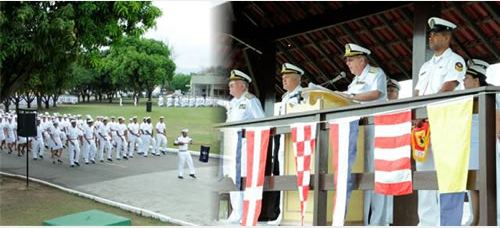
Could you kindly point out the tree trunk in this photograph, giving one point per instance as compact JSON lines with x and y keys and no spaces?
{"x":110,"y":97}
{"x":38,"y":102}
{"x":100,"y":97}
{"x":6,"y":104}
{"x":150,"y":93}
{"x":46,"y":100}
{"x":54,"y":99}
{"x":16,"y":99}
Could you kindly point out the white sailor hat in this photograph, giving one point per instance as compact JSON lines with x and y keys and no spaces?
{"x":185,"y":130}
{"x":105,"y":118}
{"x":354,"y":50}
{"x":72,"y":121}
{"x":437,"y":24}
{"x":112,"y":117}
{"x":238,"y":75}
{"x":161,"y":117}
{"x":477,"y":67}
{"x":393,"y":83}
{"x":90,"y":120}
{"x":287,"y":68}
{"x":121,"y":118}
{"x":134,"y":117}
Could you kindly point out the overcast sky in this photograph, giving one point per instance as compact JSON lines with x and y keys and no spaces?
{"x":185,"y":26}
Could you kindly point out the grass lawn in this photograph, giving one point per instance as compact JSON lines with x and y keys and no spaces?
{"x":199,"y":121}
{"x":21,"y":207}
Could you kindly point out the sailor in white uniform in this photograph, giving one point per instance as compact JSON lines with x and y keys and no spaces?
{"x":444,"y":72}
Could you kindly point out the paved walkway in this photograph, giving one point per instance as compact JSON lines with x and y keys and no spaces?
{"x":150,"y":183}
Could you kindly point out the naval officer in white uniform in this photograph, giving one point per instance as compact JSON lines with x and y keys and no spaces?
{"x":243,"y":106}
{"x":369,"y":85}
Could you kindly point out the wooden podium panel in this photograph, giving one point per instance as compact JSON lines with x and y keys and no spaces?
{"x":317,"y":100}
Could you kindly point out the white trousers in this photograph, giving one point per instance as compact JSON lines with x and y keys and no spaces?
{"x":133,"y":141}
{"x":428,"y":200}
{"x":89,"y":150}
{"x":104,"y":144}
{"x":74,"y":151}
{"x":38,"y":147}
{"x":146,"y":142}
{"x":183,"y":158}
{"x":121,"y":146}
{"x":161,"y":143}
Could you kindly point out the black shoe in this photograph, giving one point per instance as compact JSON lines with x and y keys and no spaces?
{"x":72,"y":166}
{"x":125,"y":157}
{"x":86,"y":163}
{"x":109,"y":159}
{"x":59,"y":160}
{"x":180,"y":177}
{"x":77,"y":164}
{"x":102,"y":161}
{"x":163,"y":152}
{"x":192,"y":175}
{"x":145,"y":156}
{"x":93,"y":162}
{"x":34,"y":159}
{"x":130,"y":156}
{"x":41,"y":157}
{"x":53,"y":162}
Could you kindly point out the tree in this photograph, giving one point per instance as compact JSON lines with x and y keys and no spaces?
{"x":40,"y":37}
{"x":141,"y":63}
{"x":180,"y":81}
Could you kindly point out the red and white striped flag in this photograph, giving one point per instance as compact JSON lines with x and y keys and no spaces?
{"x":392,"y":153}
{"x":257,"y":141}
{"x":304,"y":144}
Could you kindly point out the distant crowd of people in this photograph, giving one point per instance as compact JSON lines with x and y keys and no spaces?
{"x":187,"y":101}
{"x":73,"y":135}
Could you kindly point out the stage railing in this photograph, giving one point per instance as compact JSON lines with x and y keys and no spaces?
{"x":483,"y":179}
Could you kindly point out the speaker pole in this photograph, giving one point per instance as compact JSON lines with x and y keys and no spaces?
{"x":27,"y":166}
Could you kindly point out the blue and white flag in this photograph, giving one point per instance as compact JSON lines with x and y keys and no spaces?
{"x":343,"y":140}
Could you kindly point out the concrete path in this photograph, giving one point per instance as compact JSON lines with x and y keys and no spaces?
{"x":150,"y":183}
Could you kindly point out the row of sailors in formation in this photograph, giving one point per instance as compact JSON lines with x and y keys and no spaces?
{"x":187,"y":101}
{"x":74,"y":136}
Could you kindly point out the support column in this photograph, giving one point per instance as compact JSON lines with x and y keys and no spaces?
{"x":487,"y":161}
{"x":262,"y":68}
{"x":420,"y":51}
{"x":320,"y":170}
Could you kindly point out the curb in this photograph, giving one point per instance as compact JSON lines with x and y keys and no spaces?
{"x":136,"y":210}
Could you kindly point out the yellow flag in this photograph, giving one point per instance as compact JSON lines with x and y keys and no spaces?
{"x":450,"y":123}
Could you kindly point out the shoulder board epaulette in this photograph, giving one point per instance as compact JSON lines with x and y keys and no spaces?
{"x":249,"y":95}
{"x":373,"y":70}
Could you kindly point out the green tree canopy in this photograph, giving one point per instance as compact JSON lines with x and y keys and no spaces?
{"x":41,"y":37}
{"x":180,"y":81}
{"x":141,"y":63}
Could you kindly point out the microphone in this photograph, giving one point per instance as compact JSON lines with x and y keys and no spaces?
{"x":339,"y":76}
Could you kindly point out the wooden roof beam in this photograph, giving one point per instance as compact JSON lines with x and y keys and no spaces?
{"x":381,"y":43}
{"x":329,"y":19}
{"x":475,"y":29}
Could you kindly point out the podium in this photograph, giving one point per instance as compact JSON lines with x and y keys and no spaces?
{"x":318,"y":99}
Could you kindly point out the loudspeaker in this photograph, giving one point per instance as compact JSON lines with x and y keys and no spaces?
{"x":204,"y":151}
{"x":26,"y":125}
